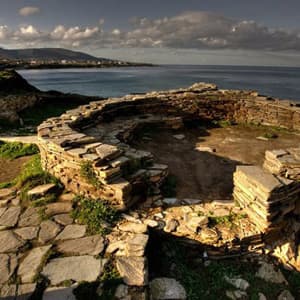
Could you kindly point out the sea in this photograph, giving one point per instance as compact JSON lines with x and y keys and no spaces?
{"x":279,"y":82}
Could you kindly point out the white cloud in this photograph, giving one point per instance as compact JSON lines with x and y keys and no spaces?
{"x":29,"y":10}
{"x":189,"y":30}
{"x":4,"y":32}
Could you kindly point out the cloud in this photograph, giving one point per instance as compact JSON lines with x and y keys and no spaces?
{"x":29,"y":10}
{"x":190,"y":30}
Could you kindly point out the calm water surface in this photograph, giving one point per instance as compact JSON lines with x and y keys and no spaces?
{"x":278,"y":82}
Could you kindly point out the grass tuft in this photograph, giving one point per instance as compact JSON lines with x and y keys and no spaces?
{"x":96,"y":214}
{"x":14,"y":150}
{"x":87,"y":172}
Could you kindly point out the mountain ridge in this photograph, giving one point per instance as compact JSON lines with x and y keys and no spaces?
{"x":47,"y":54}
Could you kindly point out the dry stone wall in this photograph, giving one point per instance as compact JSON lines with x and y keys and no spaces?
{"x":95,"y":137}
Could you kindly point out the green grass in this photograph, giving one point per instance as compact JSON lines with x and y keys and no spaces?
{"x":270,"y":135}
{"x":223,"y":123}
{"x":229,"y":220}
{"x":34,"y":116}
{"x":208,"y":282}
{"x":97,"y":215}
{"x":88,"y":173}
{"x":14,"y":150}
{"x":32,"y":175}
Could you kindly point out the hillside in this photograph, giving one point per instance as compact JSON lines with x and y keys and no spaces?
{"x":46,"y":54}
{"x":12,"y":83}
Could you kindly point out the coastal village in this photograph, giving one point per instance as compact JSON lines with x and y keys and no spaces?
{"x":190,"y":193}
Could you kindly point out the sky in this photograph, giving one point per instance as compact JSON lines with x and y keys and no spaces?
{"x":235,"y":32}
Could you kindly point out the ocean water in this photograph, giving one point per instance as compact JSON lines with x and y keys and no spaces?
{"x":281,"y":82}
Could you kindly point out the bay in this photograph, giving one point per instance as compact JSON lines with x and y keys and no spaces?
{"x":280,"y":82}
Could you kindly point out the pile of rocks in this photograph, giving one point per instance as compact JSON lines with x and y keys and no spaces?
{"x":284,"y":163}
{"x":265,"y":197}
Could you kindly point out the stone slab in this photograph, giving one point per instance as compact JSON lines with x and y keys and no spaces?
{"x":92,"y":245}
{"x":9,"y":242}
{"x":29,"y":267}
{"x":72,"y":232}
{"x":77,"y":268}
{"x":134,"y":270}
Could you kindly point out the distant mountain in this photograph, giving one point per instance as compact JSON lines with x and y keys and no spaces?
{"x":46,"y":54}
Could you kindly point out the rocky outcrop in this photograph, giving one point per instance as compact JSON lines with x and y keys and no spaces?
{"x":16,"y":94}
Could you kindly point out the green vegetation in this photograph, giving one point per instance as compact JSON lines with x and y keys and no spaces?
{"x":14,"y":150}
{"x":270,"y":135}
{"x":168,"y":188}
{"x":4,"y":75}
{"x":230,"y":220}
{"x":34,"y":116}
{"x":223,"y":123}
{"x":97,"y":215}
{"x":31,"y":176}
{"x":208,"y":282}
{"x":87,"y":172}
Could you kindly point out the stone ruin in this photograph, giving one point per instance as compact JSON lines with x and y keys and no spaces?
{"x":96,"y":137}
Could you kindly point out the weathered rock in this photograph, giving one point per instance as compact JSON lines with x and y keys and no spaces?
{"x":67,"y":197}
{"x":121,"y":291}
{"x":27,"y":233}
{"x":179,"y":136}
{"x":63,"y":219}
{"x":134,"y":270}
{"x":25,"y":291}
{"x":30,"y":217}
{"x":205,"y":149}
{"x":31,"y":264}
{"x":115,"y":246}
{"x":136,"y":246}
{"x":261,"y":296}
{"x":10,"y":217}
{"x":133,"y":227}
{"x":9,"y":242}
{"x":77,"y":268}
{"x":41,"y":190}
{"x":58,"y":208}
{"x":151,"y":223}
{"x":171,"y":225}
{"x":59,"y":293}
{"x":8,"y":292}
{"x":235,"y":295}
{"x":72,"y":232}
{"x":6,"y":193}
{"x":49,"y":230}
{"x":8,"y":264}
{"x":170,"y":201}
{"x":238,"y":283}
{"x":167,"y":288}
{"x":195,"y":222}
{"x":92,"y":245}
{"x":285,"y":295}
{"x":268,"y":273}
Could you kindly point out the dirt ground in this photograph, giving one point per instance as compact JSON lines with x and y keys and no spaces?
{"x":208,"y":176}
{"x":9,"y":169}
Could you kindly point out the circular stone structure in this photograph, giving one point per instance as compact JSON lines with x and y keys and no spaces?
{"x":89,"y":150}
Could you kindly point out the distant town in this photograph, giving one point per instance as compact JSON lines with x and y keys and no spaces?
{"x":64,"y":63}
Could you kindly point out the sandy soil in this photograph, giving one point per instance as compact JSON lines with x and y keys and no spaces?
{"x":208,"y":176}
{"x":9,"y":169}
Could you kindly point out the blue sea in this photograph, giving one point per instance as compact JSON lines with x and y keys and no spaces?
{"x":281,"y":82}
